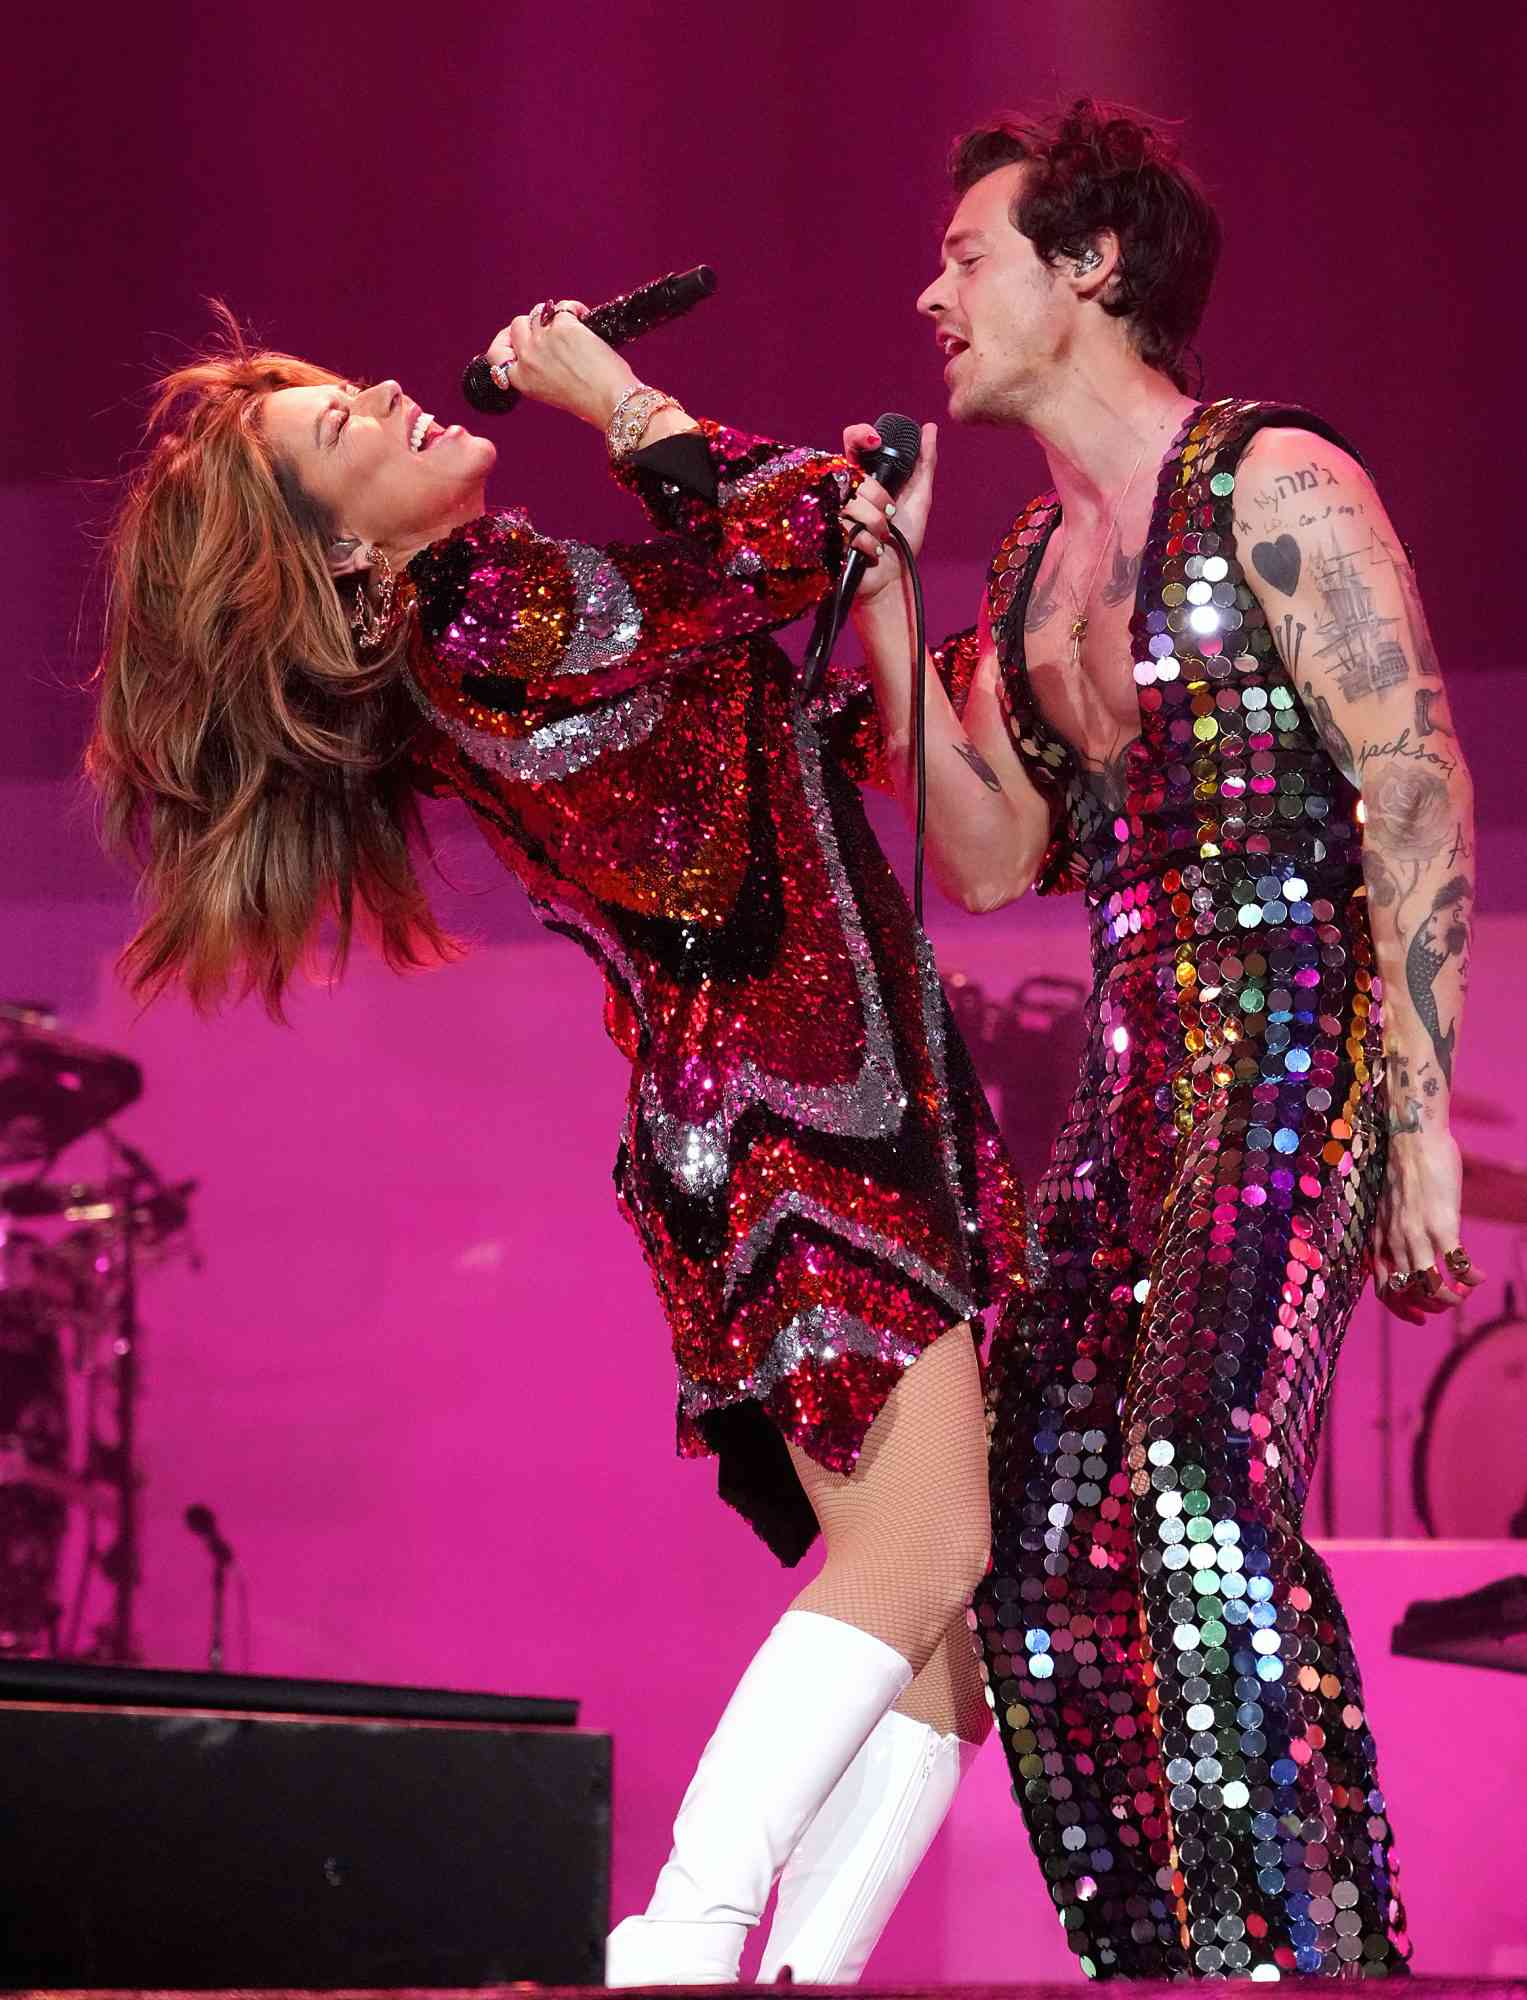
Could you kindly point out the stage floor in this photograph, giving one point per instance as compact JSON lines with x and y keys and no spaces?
{"x":1416,"y":1989}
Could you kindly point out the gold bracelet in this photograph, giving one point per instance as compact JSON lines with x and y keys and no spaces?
{"x":630,"y":418}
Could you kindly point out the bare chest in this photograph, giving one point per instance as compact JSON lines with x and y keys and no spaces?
{"x":1078,"y":650}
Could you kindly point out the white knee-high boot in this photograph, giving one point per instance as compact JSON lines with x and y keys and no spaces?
{"x":853,"y":1863}
{"x":811,"y":1695}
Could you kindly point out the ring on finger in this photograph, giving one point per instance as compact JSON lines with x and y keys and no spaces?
{"x":1399,"y":1281}
{"x":1459,"y":1262}
{"x":499,"y":370}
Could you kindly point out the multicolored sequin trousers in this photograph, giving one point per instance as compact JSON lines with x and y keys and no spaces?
{"x":1171,"y":1672}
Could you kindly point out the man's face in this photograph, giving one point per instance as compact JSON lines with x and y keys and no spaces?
{"x":1001,"y":316}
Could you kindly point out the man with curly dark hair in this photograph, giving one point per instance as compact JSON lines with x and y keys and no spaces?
{"x":1201,"y":691}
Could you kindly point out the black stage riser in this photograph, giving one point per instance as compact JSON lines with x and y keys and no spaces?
{"x":192,"y":1850}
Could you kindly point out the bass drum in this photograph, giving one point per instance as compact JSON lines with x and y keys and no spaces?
{"x":1469,"y":1472}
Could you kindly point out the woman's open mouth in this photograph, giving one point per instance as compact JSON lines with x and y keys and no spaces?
{"x":426,"y":433}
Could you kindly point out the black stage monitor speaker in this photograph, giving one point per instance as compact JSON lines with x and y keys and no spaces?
{"x":216,"y":1843}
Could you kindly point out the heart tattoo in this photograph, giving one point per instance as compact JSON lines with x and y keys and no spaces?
{"x":1278,"y":562}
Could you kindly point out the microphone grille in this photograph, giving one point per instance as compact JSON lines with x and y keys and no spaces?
{"x":902,"y":435}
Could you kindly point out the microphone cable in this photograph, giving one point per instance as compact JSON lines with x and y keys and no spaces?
{"x":919,"y":719}
{"x":834,"y":617}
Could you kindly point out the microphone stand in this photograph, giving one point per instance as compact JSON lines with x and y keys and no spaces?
{"x":221,"y":1558}
{"x":203,"y":1525}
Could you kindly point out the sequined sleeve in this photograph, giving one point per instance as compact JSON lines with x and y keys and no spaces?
{"x":593,"y":696}
{"x":774,"y":522}
{"x":519,"y":627}
{"x":852,"y":720}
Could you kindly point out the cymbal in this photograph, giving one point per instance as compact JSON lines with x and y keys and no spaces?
{"x":1494,"y":1190}
{"x":54,"y":1089}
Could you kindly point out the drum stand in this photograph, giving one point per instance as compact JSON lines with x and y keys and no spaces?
{"x":122,"y":1564}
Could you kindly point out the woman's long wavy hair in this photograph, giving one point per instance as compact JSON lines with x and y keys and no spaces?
{"x":259,"y":771}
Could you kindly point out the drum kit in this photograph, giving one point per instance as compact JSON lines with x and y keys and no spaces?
{"x":1469,"y":1459}
{"x":70,"y":1256}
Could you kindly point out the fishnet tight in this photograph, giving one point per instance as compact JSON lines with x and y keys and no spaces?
{"x":949,"y":1694}
{"x":906,"y":1533}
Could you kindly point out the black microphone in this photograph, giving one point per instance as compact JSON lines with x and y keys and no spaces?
{"x":616,"y":322}
{"x":893,"y":464}
{"x":203,"y":1524}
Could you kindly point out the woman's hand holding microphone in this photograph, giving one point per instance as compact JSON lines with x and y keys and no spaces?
{"x":550,"y":356}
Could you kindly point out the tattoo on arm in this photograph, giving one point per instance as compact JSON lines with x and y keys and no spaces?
{"x":1413,"y":1090}
{"x":1333,"y":737}
{"x":1442,"y":935}
{"x":1358,"y":645}
{"x":1404,"y":746}
{"x":1311,"y":478}
{"x":1428,"y":720}
{"x":1427,"y":664}
{"x":1404,"y":1104}
{"x":1278,"y":563}
{"x":1383,"y":889}
{"x":972,"y":756}
{"x":1410,"y":815}
{"x":1290,"y":638}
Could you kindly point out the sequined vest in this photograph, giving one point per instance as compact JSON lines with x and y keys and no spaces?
{"x":1228,"y":776}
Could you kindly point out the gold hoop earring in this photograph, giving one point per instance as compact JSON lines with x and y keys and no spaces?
{"x":370,"y":622}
